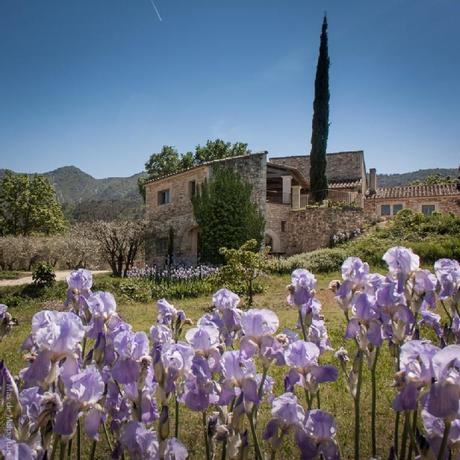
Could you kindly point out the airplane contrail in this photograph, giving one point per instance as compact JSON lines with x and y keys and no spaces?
{"x":156,"y":10}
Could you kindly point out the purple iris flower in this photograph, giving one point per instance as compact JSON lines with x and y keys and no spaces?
{"x":318,"y":436}
{"x":55,"y":336}
{"x":130,"y":347}
{"x":257,"y":324}
{"x":83,"y":392}
{"x":12,"y":450}
{"x":81,"y":280}
{"x":287,"y":414}
{"x":424,"y":290}
{"x":305,"y":371}
{"x":176,"y":359}
{"x":448,"y":275}
{"x":225,"y":299}
{"x":102,"y":306}
{"x":354,"y":269}
{"x":415,"y":373}
{"x":317,"y":333}
{"x":200,"y":389}
{"x":434,"y":428}
{"x":6,"y":321}
{"x":401,"y":260}
{"x":365,"y":325}
{"x":140,"y":442}
{"x":7,"y":384}
{"x":303,"y":284}
{"x":175,"y":450}
{"x":239,"y":378}
{"x":167,"y":313}
{"x":443,"y":398}
{"x":79,"y":284}
{"x":161,"y":334}
{"x":205,"y":341}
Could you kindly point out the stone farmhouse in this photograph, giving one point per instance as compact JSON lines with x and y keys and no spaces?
{"x":280,"y":188}
{"x":281,"y":191}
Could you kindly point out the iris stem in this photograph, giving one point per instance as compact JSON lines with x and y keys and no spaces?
{"x":259,"y":455}
{"x":404,"y":436}
{"x":259,"y":393}
{"x":176,"y":417}
{"x":396,"y":429}
{"x":55,"y":444}
{"x":93,"y":450}
{"x":62,"y":450}
{"x":307,"y":399}
{"x":69,"y":449}
{"x":374,"y":403}
{"x":206,"y":439}
{"x":302,"y":325}
{"x":78,"y":440}
{"x":357,"y":404}
{"x":412,"y":432}
{"x":107,"y":436}
{"x":445,"y":437}
{"x":318,"y":399}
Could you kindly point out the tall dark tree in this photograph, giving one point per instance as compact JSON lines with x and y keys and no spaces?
{"x":320,"y":123}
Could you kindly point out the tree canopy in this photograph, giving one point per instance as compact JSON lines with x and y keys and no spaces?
{"x":28,"y":205}
{"x":169,"y":160}
{"x":320,"y":122}
{"x":226,"y":215}
{"x":433,"y":179}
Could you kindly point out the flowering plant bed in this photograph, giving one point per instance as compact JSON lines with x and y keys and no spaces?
{"x":257,"y":390}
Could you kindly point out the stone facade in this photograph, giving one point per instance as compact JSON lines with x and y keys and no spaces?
{"x":169,"y":206}
{"x":276,"y":228}
{"x":312,"y":228}
{"x":381,"y":205}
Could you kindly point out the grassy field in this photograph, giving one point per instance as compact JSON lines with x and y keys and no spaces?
{"x":334,"y":396}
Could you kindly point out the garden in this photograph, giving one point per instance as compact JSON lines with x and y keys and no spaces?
{"x":354,"y":364}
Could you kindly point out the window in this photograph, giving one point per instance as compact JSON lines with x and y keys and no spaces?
{"x":428,"y":209}
{"x":385,"y":210}
{"x":164,"y":197}
{"x":283,"y":225}
{"x":192,"y":188}
{"x":161,"y":246}
{"x":397,"y":208}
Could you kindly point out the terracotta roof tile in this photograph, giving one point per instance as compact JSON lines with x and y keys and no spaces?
{"x":414,"y":191}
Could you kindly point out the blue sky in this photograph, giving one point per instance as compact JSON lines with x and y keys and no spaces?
{"x":102,"y":84}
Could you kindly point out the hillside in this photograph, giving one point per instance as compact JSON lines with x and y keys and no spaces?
{"x":85,"y":198}
{"x":394,"y":180}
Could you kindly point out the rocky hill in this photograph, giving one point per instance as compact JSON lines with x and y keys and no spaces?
{"x":85,"y":198}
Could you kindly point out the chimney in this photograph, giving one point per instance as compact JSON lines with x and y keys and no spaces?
{"x":372,"y":180}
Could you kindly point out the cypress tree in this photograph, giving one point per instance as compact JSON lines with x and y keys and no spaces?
{"x":320,"y":123}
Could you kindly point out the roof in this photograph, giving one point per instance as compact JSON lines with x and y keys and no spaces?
{"x":293,"y":171}
{"x":205,"y":163}
{"x":345,"y":184}
{"x":414,"y":191}
{"x":340,"y":166}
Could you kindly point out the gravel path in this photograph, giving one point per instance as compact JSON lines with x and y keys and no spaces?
{"x":61,"y":275}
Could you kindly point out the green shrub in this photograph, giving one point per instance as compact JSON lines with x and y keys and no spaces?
{"x":43,"y":275}
{"x":319,"y":261}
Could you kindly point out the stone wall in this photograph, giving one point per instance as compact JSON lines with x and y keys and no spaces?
{"x":178,"y":213}
{"x":276,"y":214}
{"x":442,"y":203}
{"x":253,"y":169}
{"x":312,"y":228}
